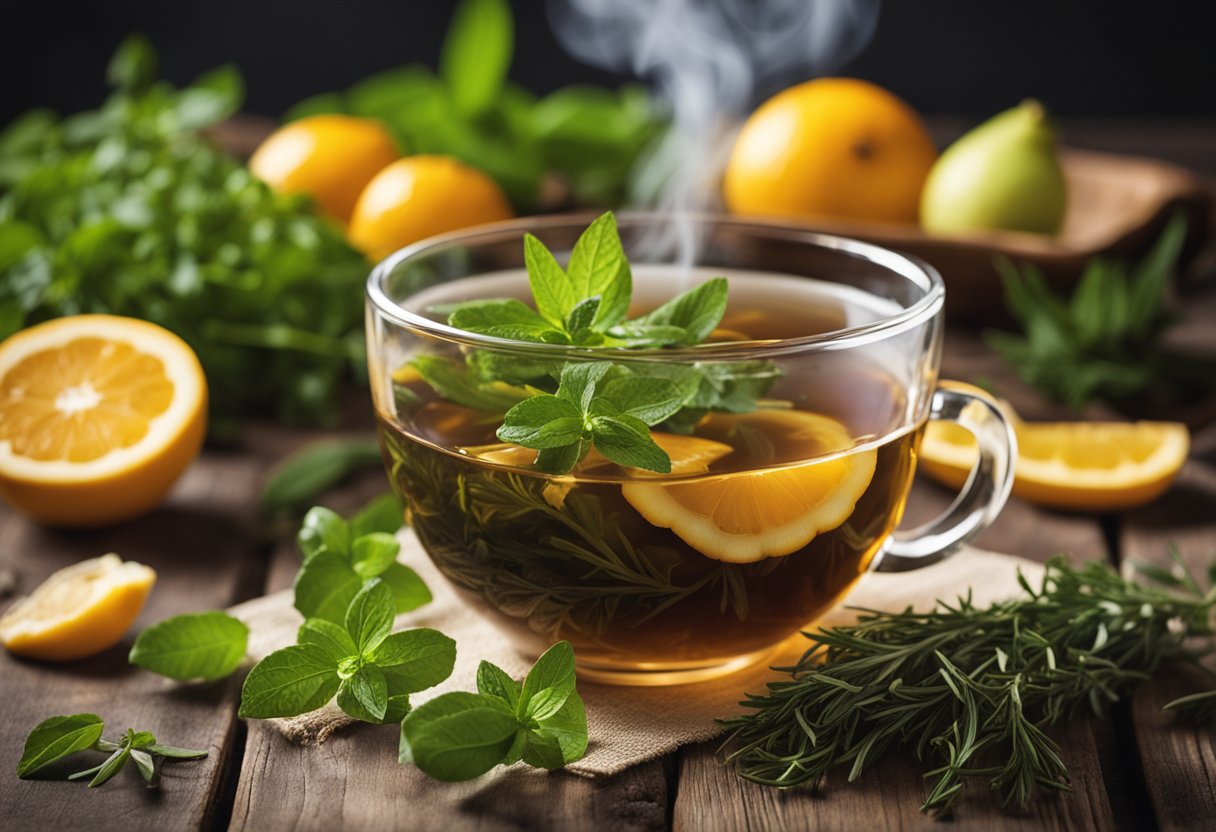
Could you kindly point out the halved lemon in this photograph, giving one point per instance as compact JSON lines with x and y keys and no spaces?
{"x":1085,"y":466}
{"x":99,"y":416}
{"x":78,"y":611}
{"x":750,"y":515}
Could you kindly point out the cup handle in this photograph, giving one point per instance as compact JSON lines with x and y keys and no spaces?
{"x":983,"y":494}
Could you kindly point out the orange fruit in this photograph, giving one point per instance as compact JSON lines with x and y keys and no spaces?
{"x":421,"y":196}
{"x":330,"y":158}
{"x":747,"y":516}
{"x":99,"y":416}
{"x":78,"y":611}
{"x":1084,"y":466}
{"x":832,"y":147}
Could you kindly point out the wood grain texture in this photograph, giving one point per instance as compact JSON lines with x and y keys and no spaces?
{"x":1178,"y":758}
{"x":353,"y":781}
{"x":199,"y":544}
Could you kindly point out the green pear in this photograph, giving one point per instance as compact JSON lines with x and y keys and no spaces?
{"x":1004,"y":174}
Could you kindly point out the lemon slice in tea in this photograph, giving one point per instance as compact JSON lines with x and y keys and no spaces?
{"x":750,"y":515}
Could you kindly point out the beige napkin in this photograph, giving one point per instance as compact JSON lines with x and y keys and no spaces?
{"x":627,"y":725}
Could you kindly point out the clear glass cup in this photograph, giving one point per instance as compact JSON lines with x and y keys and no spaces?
{"x":824,"y":372}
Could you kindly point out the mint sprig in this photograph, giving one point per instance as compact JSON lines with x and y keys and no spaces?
{"x":200,"y":645}
{"x":370,"y":670}
{"x":459,"y":736}
{"x":565,"y":408}
{"x":55,"y":739}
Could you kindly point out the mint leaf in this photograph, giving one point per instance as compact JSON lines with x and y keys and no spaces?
{"x":409,"y":591}
{"x":569,"y":727}
{"x":147,"y":769}
{"x":176,"y":753}
{"x":110,"y":767}
{"x":398,"y":706}
{"x":310,"y":471}
{"x":562,"y":460}
{"x":697,"y":311}
{"x":369,"y":618}
{"x":453,"y":382}
{"x":57,"y":737}
{"x":598,"y":268}
{"x":579,"y":380}
{"x":331,"y":638}
{"x":551,"y":288}
{"x":385,"y":514}
{"x":578,"y":322}
{"x":481,"y":315}
{"x":648,"y":336}
{"x":476,"y":54}
{"x":492,"y":680}
{"x":323,"y":530}
{"x":202,"y":645}
{"x":543,"y":421}
{"x":365,"y":694}
{"x":418,"y":659}
{"x":542,"y":751}
{"x":372,"y":553}
{"x":325,"y":586}
{"x":550,"y":682}
{"x":289,"y":682}
{"x":626,"y":441}
{"x":649,"y":398}
{"x":458,"y":736}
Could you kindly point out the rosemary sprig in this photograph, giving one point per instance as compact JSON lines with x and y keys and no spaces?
{"x":1104,"y":342}
{"x":973,"y":689}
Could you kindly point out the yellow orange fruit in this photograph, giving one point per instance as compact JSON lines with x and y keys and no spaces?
{"x":99,"y":416}
{"x":329,"y":157}
{"x":78,"y":611}
{"x":834,"y":148}
{"x":747,"y":516}
{"x":418,"y":197}
{"x":1082,"y":466}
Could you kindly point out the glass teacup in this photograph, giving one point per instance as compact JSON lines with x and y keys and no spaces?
{"x":785,"y":488}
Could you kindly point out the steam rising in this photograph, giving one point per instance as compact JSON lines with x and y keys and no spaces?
{"x":708,"y":61}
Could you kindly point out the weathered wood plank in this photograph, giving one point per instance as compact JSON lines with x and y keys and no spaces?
{"x":1178,"y":758}
{"x":354,"y":782}
{"x":199,"y":544}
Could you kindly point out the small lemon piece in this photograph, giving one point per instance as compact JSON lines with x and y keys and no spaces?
{"x":78,"y":611}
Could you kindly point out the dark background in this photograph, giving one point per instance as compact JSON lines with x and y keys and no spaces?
{"x":947,"y":56}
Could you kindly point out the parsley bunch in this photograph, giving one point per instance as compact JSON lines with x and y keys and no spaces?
{"x":563,"y":409}
{"x":129,"y":210}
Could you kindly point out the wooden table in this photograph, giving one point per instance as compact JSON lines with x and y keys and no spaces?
{"x":1138,"y":770}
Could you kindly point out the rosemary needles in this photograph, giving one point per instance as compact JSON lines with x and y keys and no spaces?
{"x":970,"y":690}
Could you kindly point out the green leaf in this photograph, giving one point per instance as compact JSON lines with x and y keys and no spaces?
{"x":543,"y":751}
{"x":409,"y":590}
{"x":542,"y":422}
{"x":549,"y":683}
{"x":311,"y":471}
{"x":562,"y":460}
{"x":203,"y":645}
{"x":697,"y":311}
{"x":289,"y":682}
{"x":365,"y":694}
{"x":477,"y":53}
{"x":213,"y":97}
{"x":598,"y":268}
{"x":453,"y":382}
{"x":416,"y":659}
{"x":385,"y":514}
{"x":176,"y":753}
{"x":551,"y":288}
{"x":458,"y":736}
{"x":649,"y":398}
{"x":328,"y":636}
{"x":398,"y":707}
{"x":110,"y":767}
{"x":325,"y":586}
{"x":579,"y":380}
{"x":373,"y":553}
{"x":626,"y":441}
{"x":323,"y":530}
{"x":582,"y":316}
{"x":484,"y":315}
{"x":147,"y":768}
{"x":55,"y":738}
{"x":492,"y":680}
{"x":369,"y":618}
{"x":133,"y":67}
{"x":569,"y":727}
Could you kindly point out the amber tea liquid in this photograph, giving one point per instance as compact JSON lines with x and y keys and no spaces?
{"x":636,"y":579}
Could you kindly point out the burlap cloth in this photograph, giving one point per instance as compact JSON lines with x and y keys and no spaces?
{"x":627,"y":725}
